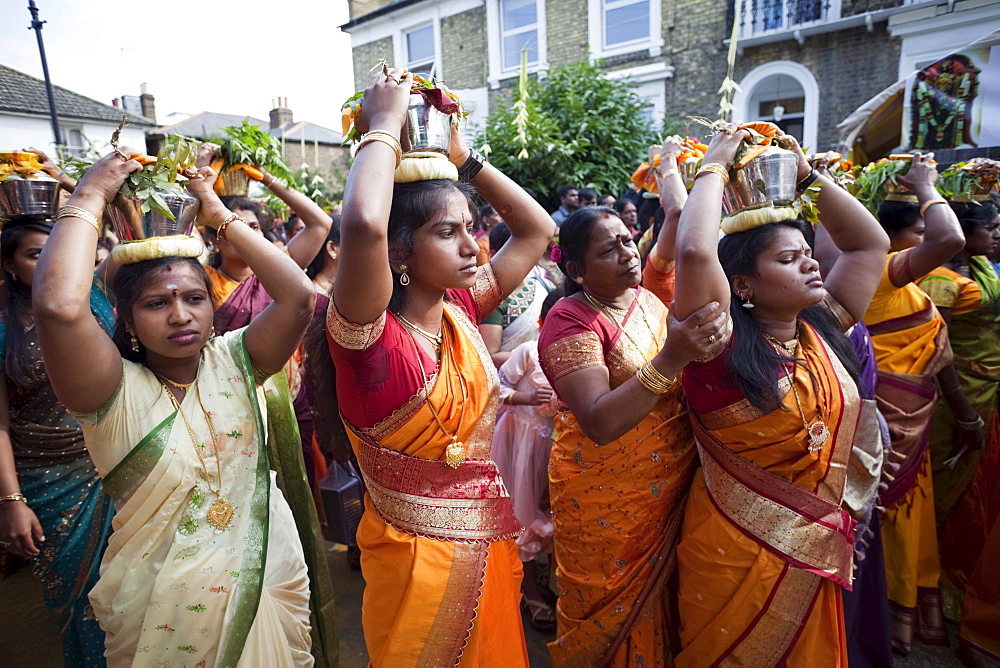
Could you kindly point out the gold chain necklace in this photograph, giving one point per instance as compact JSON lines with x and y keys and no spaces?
{"x":179,"y":386}
{"x":454,"y":453}
{"x":609,"y":312}
{"x":818,"y":432}
{"x":437,"y":340}
{"x":221,"y":511}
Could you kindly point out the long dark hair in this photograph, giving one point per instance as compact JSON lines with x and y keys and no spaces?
{"x":333,"y":235}
{"x":897,"y":216}
{"x":574,"y":235}
{"x":413,"y":206}
{"x":18,"y":366}
{"x":974,"y":214}
{"x":753,"y":362}
{"x":130,"y":281}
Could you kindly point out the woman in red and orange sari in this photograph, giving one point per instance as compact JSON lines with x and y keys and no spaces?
{"x":911,"y":347}
{"x":767,"y":545}
{"x":623,"y":456}
{"x":419,"y":393}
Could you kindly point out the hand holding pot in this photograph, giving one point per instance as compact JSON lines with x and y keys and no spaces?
{"x":722,"y":149}
{"x":212,"y":212}
{"x":104,"y":178}
{"x":922,"y":173}
{"x":384,"y":105}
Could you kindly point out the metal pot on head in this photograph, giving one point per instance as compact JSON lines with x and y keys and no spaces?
{"x":768,"y":179}
{"x":34,"y":195}
{"x":427,"y":128}
{"x":130,"y":224}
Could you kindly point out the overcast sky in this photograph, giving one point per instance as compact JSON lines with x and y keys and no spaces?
{"x":225,"y":56}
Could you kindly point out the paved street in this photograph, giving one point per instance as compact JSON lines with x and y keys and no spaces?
{"x":30,"y":638}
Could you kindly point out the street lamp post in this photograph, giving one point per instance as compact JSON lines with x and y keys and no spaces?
{"x":36,"y":25}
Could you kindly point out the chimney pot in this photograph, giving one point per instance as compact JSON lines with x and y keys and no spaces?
{"x":148,"y":103}
{"x":280,"y":115}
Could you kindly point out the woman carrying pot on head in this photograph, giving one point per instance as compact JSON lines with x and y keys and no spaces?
{"x":910,"y":340}
{"x":53,"y":509}
{"x":775,"y":417}
{"x":966,"y":292}
{"x":205,"y":564}
{"x":623,"y":456}
{"x":418,"y":392}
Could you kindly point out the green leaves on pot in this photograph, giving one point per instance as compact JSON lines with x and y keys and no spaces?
{"x":247,"y":144}
{"x":872,"y":184}
{"x":166,"y":174}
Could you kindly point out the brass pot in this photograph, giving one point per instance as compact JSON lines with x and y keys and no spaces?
{"x":35,"y":195}
{"x":768,"y":179}
{"x":130,"y":224}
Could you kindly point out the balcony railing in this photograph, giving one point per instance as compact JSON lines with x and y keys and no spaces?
{"x":767,"y":17}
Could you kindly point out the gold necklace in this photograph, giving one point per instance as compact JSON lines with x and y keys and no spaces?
{"x":179,"y":386}
{"x":818,"y":432}
{"x":436,"y":339}
{"x":609,"y":311}
{"x":454,"y":453}
{"x":221,"y":511}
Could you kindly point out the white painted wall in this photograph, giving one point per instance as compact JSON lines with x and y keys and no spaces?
{"x":21,"y":131}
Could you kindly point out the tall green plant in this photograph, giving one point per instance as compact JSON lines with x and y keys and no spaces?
{"x":575,"y":126}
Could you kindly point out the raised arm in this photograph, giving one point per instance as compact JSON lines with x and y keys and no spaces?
{"x":307,"y":243}
{"x":531,"y":229}
{"x":55,"y":171}
{"x":862,"y":242}
{"x":273,"y":336}
{"x":673,"y":195}
{"x":943,"y":235}
{"x":364,"y":279}
{"x":700,"y":278}
{"x":80,"y":360}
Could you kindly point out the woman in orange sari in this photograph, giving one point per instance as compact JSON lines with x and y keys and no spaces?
{"x":418,"y":393}
{"x":912,"y":350}
{"x":767,"y":544}
{"x":623,"y":456}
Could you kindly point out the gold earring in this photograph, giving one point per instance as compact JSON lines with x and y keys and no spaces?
{"x":135,"y":343}
{"x":747,"y":303}
{"x":404,"y":278}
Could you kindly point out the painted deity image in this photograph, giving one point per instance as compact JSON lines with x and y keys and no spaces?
{"x":941,"y":104}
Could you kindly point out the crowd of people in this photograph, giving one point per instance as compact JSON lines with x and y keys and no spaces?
{"x":665,"y":430}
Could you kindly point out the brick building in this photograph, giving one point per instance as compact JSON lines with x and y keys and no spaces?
{"x":806,"y":64}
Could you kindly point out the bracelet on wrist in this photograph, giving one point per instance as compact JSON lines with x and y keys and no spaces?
{"x":71,"y":211}
{"x":654,"y":381}
{"x":929,"y":203}
{"x":971,"y":425}
{"x":220,"y":231}
{"x":713,"y":168}
{"x":807,"y":181}
{"x":14,"y":497}
{"x":382,"y":136}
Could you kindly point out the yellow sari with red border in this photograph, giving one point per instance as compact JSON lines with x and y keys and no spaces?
{"x":441,"y":566}
{"x":765,"y":547}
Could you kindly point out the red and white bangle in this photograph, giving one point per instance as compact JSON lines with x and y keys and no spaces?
{"x":220,"y":232}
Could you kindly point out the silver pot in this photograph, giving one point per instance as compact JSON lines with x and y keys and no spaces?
{"x":688,"y":170}
{"x":236,"y":182}
{"x":427,"y":129}
{"x":769,"y":178}
{"x":37,"y":195}
{"x":130,"y":224}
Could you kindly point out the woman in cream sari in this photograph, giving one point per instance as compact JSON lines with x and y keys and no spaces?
{"x":767,"y":542}
{"x":204,"y":566}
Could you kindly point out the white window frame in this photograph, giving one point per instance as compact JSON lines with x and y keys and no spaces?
{"x":651,"y":80}
{"x":597,"y":14}
{"x":801,"y":73}
{"x":747,"y":29}
{"x":400,"y":46}
{"x":494,"y":44}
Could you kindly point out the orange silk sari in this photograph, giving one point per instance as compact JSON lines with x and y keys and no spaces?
{"x":617,"y":507}
{"x":765,"y":548}
{"x":441,"y":567}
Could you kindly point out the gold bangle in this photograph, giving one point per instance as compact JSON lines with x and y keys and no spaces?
{"x":14,"y":497}
{"x":386,"y":138}
{"x":70,"y":211}
{"x":929,"y":203}
{"x":714,"y":168}
{"x":220,"y":231}
{"x":274,"y":179}
{"x":654,"y":381}
{"x":669,"y":172}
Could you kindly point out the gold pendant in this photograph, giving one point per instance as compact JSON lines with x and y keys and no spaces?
{"x":454,"y":454}
{"x":220,"y":514}
{"x":818,"y":436}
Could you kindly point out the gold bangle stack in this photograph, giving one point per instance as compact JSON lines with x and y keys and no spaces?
{"x":714,"y":168}
{"x":654,"y":381}
{"x":929,"y":203}
{"x":70,"y":211}
{"x":386,"y":138}
{"x":14,"y":497}
{"x":220,"y":231}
